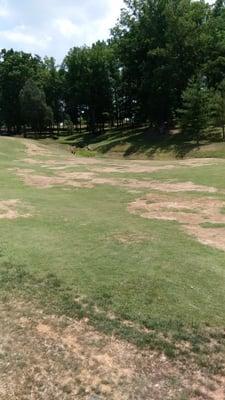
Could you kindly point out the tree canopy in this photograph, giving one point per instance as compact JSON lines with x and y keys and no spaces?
{"x":142,"y":74}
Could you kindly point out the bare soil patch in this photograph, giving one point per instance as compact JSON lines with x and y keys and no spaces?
{"x":47,"y":357}
{"x":12,"y":209}
{"x":191,"y":213}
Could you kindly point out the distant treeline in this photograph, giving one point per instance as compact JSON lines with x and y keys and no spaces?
{"x":164,"y":62}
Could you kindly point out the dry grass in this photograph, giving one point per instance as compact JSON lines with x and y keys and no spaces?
{"x":48,"y":357}
{"x":190,"y":212}
{"x":12,"y":209}
{"x":90,"y":180}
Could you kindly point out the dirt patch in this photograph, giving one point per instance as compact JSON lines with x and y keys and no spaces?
{"x":48,"y":357}
{"x":13,"y":209}
{"x":31,"y":161}
{"x":90,"y":180}
{"x":191,"y":213}
{"x":34,"y":149}
{"x":168,"y":186}
{"x":132,"y":168}
{"x":78,"y":175}
{"x":147,"y":167}
{"x":45,"y":182}
{"x":199,"y":162}
{"x":65,"y":162}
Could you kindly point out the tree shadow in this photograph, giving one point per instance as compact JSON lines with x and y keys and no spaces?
{"x":130,"y":142}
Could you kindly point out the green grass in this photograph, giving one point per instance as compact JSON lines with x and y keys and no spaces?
{"x":212,"y":225}
{"x":66,"y":257}
{"x":144,"y":143}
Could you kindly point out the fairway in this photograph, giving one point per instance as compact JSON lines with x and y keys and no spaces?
{"x":134,"y":249}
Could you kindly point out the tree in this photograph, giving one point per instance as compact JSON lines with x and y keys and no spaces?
{"x":214,"y":67}
{"x":218,"y":107}
{"x":88,"y":84}
{"x":51,"y":81}
{"x":34,"y":109}
{"x":15,"y":69}
{"x":194,"y":113}
{"x":161,"y":45}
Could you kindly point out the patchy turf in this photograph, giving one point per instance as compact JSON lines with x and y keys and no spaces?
{"x":46,"y":356}
{"x":193,"y":213}
{"x":151,"y":288}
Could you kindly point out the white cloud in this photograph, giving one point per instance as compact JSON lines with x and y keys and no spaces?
{"x":54,"y":26}
{"x":66,"y":27}
{"x":22,"y":35}
{"x":4,"y":9}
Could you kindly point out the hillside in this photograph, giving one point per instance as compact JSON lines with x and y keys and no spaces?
{"x":141,"y":143}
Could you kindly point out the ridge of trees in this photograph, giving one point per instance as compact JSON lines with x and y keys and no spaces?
{"x":163,"y":63}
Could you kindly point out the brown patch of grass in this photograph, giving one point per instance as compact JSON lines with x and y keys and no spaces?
{"x":143,"y":166}
{"x":48,"y":357}
{"x":171,"y":186}
{"x":129,"y":238}
{"x":86,"y":176}
{"x":44,"y":181}
{"x":199,"y":162}
{"x":191,"y":213}
{"x":12,"y":209}
{"x":168,"y":186}
{"x":133,"y":168}
{"x":90,"y":180}
{"x":34,"y":149}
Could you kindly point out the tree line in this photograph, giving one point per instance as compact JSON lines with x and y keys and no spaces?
{"x":163,"y":64}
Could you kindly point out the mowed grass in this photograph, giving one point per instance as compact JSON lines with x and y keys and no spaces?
{"x":68,"y":255}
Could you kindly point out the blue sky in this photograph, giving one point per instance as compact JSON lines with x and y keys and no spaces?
{"x":52,"y":27}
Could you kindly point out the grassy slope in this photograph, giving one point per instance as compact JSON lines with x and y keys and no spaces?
{"x":141,"y":143}
{"x":165,"y":281}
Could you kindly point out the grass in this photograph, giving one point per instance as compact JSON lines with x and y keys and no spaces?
{"x":66,"y":257}
{"x":212,"y":225}
{"x":144,"y":143}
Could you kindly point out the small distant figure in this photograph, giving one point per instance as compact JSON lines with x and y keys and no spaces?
{"x":73,"y":149}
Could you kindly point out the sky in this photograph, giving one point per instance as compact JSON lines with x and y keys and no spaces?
{"x":52,"y":27}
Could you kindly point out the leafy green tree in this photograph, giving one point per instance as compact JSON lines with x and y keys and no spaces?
{"x":51,"y":81}
{"x":218,"y":107}
{"x":161,"y":45}
{"x":15,"y":69}
{"x":34,"y":109}
{"x":194,"y":113}
{"x":88,"y":84}
{"x":214,"y":67}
